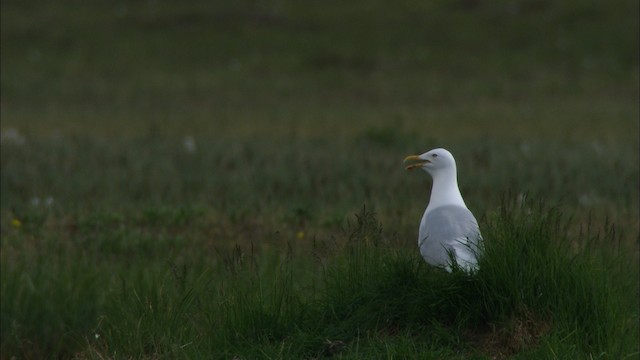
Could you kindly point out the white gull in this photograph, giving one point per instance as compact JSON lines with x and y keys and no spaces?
{"x":448,"y":231}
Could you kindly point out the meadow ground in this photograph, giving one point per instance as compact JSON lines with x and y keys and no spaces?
{"x":198,"y":181}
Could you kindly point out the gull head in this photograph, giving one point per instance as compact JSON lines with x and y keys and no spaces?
{"x":433,"y":161}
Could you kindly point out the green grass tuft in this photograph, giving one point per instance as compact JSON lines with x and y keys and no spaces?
{"x":540,"y":291}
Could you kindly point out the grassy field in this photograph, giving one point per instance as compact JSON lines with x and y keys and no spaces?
{"x":226,"y":181}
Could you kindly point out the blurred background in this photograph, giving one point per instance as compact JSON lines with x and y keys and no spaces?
{"x":292,"y":69}
{"x":306,"y":106}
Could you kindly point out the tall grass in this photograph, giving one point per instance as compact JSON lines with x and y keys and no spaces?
{"x":539,"y":292}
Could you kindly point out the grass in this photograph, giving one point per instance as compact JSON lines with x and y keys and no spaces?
{"x":225,"y":181}
{"x":286,"y":70}
{"x":364,"y":296}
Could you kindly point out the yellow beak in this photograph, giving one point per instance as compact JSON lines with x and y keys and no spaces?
{"x":419,"y":162}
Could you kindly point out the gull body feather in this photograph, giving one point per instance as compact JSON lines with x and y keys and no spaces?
{"x":448,"y":233}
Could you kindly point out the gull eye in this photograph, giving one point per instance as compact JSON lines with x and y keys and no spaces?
{"x":434,"y":155}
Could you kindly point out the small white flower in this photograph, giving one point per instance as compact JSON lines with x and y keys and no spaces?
{"x":189,"y":144}
{"x":11,"y":136}
{"x":589,"y":199}
{"x":48,"y":201}
{"x":36,"y":201}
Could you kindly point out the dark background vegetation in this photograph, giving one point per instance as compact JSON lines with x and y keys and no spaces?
{"x":145,"y":133}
